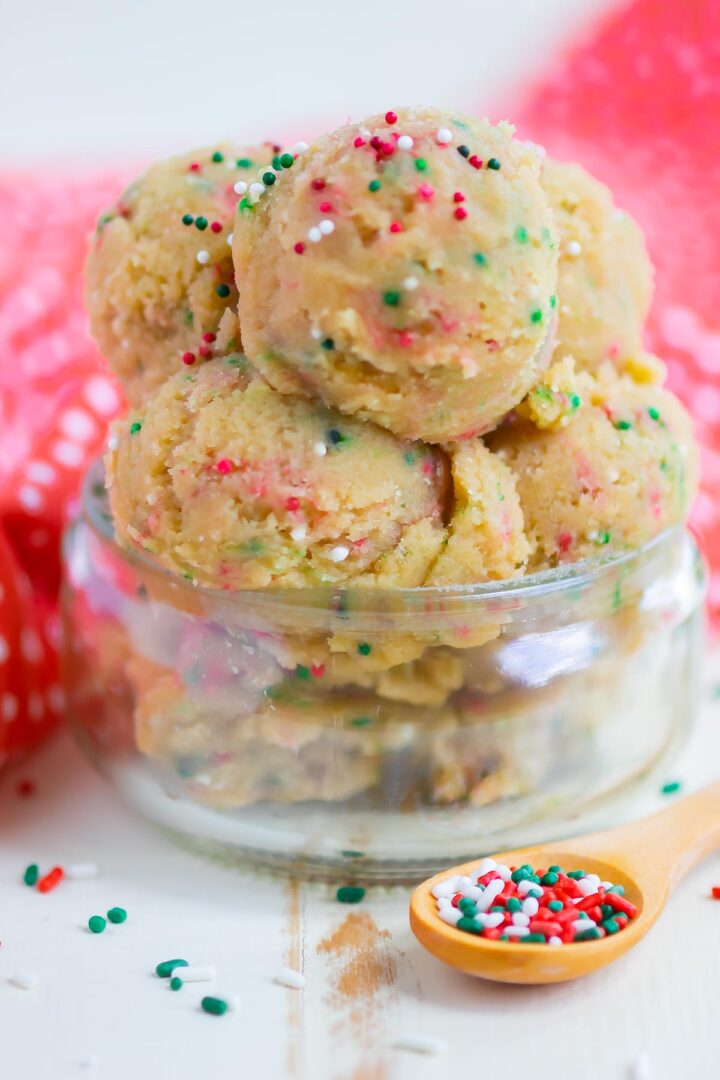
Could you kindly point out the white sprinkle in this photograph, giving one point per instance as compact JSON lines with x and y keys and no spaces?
{"x":520,"y":919}
{"x":299,"y":532}
{"x":339,"y":553}
{"x":421,"y":1044}
{"x":40,"y":473}
{"x":504,"y":871}
{"x":288,"y":977}
{"x":24,"y":979}
{"x":241,"y":187}
{"x":587,"y":887}
{"x":81,"y":871}
{"x":554,"y":940}
{"x":410,"y":283}
{"x":314,"y":235}
{"x":573,"y":247}
{"x":113,"y":443}
{"x":594,"y":878}
{"x":320,"y":449}
{"x":229,"y":163}
{"x":486,"y":865}
{"x":29,"y":497}
{"x":516,"y":931}
{"x":606,"y":885}
{"x":405,"y":142}
{"x":203,"y":257}
{"x":525,"y":886}
{"x":256,"y":190}
{"x":300,"y":148}
{"x":487,"y":899}
{"x":444,"y":888}
{"x":234,"y":1002}
{"x":641,"y":1068}
{"x":317,"y":333}
{"x":196,"y":973}
{"x":493,"y":919}
{"x":230,"y":239}
{"x":530,"y":906}
{"x":579,"y":925}
{"x":472,"y":892}
{"x":451,"y":915}
{"x":444,"y":136}
{"x":326,"y":227}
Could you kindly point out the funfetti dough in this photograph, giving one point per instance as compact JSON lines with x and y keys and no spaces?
{"x":402,"y":270}
{"x":159,"y":273}
{"x":234,"y":485}
{"x":604,"y":275}
{"x":622,"y":470}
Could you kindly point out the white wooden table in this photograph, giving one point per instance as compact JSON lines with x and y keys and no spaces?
{"x":99,"y":1007}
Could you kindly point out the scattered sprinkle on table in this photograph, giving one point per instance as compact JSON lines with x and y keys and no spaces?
{"x":715,"y":892}
{"x":214,"y":1005}
{"x":289,"y":977}
{"x":195,"y":973}
{"x":350,"y":894}
{"x":166,"y":967}
{"x":536,"y":906}
{"x":24,"y":979}
{"x":671,"y":788}
{"x":51,"y":880}
{"x":421,"y":1044}
{"x":96,"y":924}
{"x":176,"y":983}
{"x":31,"y":874}
{"x":117,"y":915}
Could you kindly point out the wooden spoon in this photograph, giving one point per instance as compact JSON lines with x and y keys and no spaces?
{"x":648,"y":857}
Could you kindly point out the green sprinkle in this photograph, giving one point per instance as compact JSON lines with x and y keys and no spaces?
{"x":536,"y":315}
{"x":520,"y":874}
{"x":286,"y":160}
{"x":364,"y":648}
{"x":467,"y":906}
{"x":360,"y":721}
{"x":409,"y":457}
{"x":245,"y":206}
{"x":555,"y":905}
{"x":607,"y":911}
{"x":493,"y":163}
{"x":350,"y":854}
{"x":671,"y":788}
{"x":217,"y":156}
{"x":187,"y":219}
{"x":135,"y":427}
{"x":553,"y":301}
{"x":575,"y":401}
{"x":469,"y":925}
{"x":603,"y":538}
{"x":610,"y":926}
{"x":102,"y":221}
{"x":31,"y":874}
{"x":521,"y":234}
{"x":176,"y":983}
{"x":392,"y":298}
{"x":117,"y":915}
{"x":243,"y":163}
{"x":328,"y":344}
{"x":223,"y":291}
{"x":165,"y":969}
{"x":496,"y":908}
{"x":420,"y":164}
{"x":277,"y":163}
{"x":213,"y":1005}
{"x":96,"y":924}
{"x":268,"y":178}
{"x":188,"y":317}
{"x":513,"y":904}
{"x":619,"y":889}
{"x":587,"y":935}
{"x":302,"y":672}
{"x":577,"y":874}
{"x":623,"y":425}
{"x":350,"y":894}
{"x":201,"y":223}
{"x":555,"y":869}
{"x":534,"y":939}
{"x":549,"y":879}
{"x":480,"y":258}
{"x":374,"y":185}
{"x":653,"y":413}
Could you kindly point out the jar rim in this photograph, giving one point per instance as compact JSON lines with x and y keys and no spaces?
{"x":543,"y":586}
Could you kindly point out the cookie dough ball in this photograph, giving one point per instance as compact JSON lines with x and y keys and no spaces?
{"x":159,"y":273}
{"x":235,"y":486}
{"x":404,"y":271}
{"x":604,"y":274}
{"x":620,"y":472}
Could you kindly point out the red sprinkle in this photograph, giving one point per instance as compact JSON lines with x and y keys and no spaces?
{"x":475,"y":161}
{"x":194,"y":166}
{"x":292,"y":503}
{"x":326,"y":207}
{"x":188,"y":358}
{"x":359,"y":141}
{"x":461,"y":213}
{"x":216,"y":226}
{"x":205,"y":352}
{"x":716,"y":892}
{"x":317,"y":185}
{"x":396,"y":227}
{"x":299,"y":247}
{"x":317,"y":671}
{"x":619,"y":903}
{"x":425,"y":191}
{"x":564,"y":541}
{"x":391,"y":117}
{"x":458,"y":197}
{"x":209,"y":338}
{"x":51,"y":880}
{"x":224,"y":465}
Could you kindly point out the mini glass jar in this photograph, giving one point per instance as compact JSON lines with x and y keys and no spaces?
{"x":383,"y":733}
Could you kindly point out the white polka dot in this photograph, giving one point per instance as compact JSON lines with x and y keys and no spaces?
{"x":67,"y":453}
{"x":8,"y":707}
{"x":30,"y":646}
{"x":39,"y":472}
{"x":78,"y":424}
{"x":29,"y":497}
{"x":52,"y":632}
{"x":4,"y":650}
{"x":36,"y":707}
{"x":101,"y":395}
{"x":56,"y":698}
{"x":705,"y":402}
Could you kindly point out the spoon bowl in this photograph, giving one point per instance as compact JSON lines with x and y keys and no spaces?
{"x":647,"y":857}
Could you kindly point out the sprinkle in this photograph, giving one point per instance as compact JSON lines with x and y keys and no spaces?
{"x":223,"y":291}
{"x":444,"y":136}
{"x":339,"y":554}
{"x":292,"y":503}
{"x":410,"y":284}
{"x":396,"y":227}
{"x":187,"y":358}
{"x":493,"y":163}
{"x":364,"y":648}
{"x":81,"y":871}
{"x":187,"y":219}
{"x":24,"y":979}
{"x":299,"y":248}
{"x":328,"y":344}
{"x":480,"y":258}
{"x":536,"y":315}
{"x":240,"y":187}
{"x":215,"y":1006}
{"x":320,"y":449}
{"x":314,"y":235}
{"x":405,"y":142}
{"x":461,"y":213}
{"x":31,"y":874}
{"x":326,"y":227}
{"x":653,"y":413}
{"x":268,"y":178}
{"x":231,"y":237}
{"x":203,"y":257}
{"x":135,"y":427}
{"x":198,"y":974}
{"x":573,"y":247}
{"x":374,"y":185}
{"x":318,"y":184}
{"x":224,"y":466}
{"x":117,"y":915}
{"x":289,"y":977}
{"x":391,"y":117}
{"x":350,"y":894}
{"x":256,"y":190}
{"x":96,"y":924}
{"x":715,"y":892}
{"x":299,"y":148}
{"x":521,"y":234}
{"x":671,"y":788}
{"x":476,"y":162}
{"x":215,"y":226}
{"x":286,"y":160}
{"x":166,"y":967}
{"x":201,"y":223}
{"x":176,"y":983}
{"x":392,"y":298}
{"x":421,"y":1044}
{"x":299,"y":532}
{"x":217,"y":156}
{"x":51,"y":880}
{"x":464,"y":151}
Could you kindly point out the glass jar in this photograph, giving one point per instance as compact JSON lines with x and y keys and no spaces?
{"x":383,"y":733}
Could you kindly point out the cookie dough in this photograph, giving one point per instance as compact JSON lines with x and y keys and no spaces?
{"x":622,"y":470}
{"x":402,"y":270}
{"x":605,"y":275}
{"x":229,"y":483}
{"x":159,"y":274}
